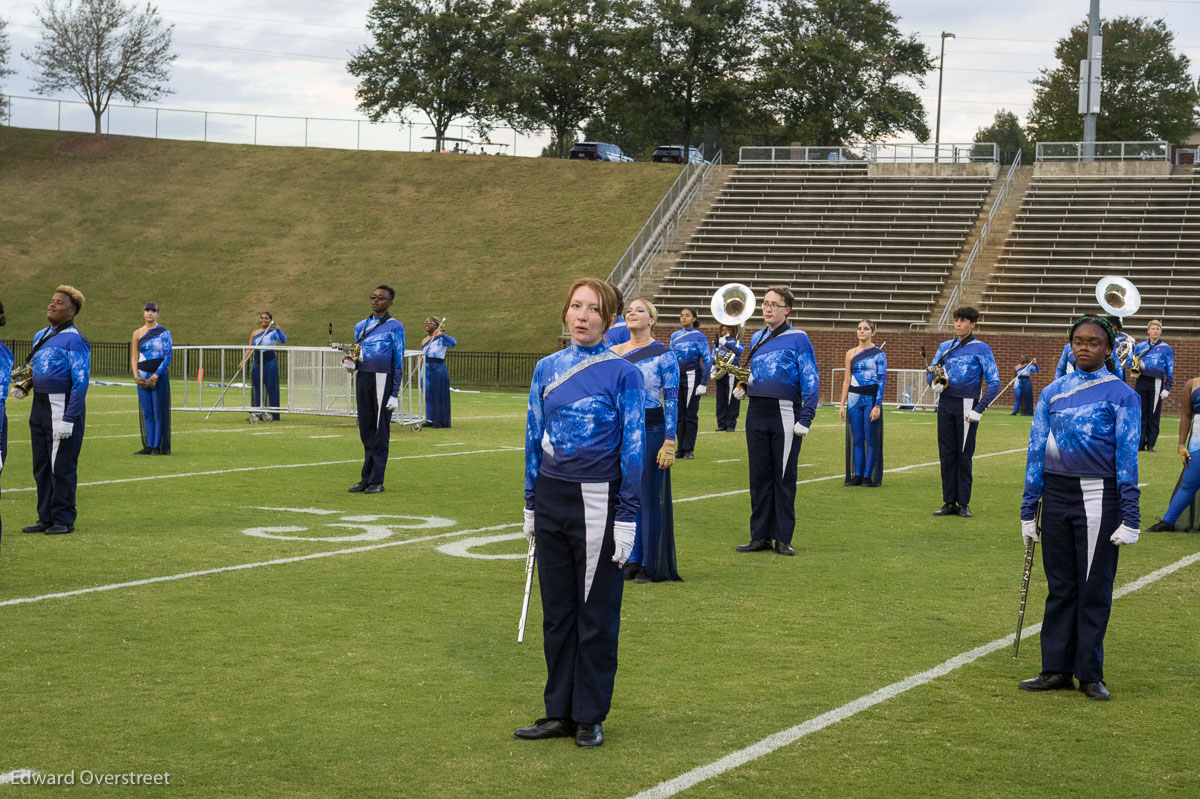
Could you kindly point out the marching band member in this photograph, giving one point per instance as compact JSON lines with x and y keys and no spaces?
{"x":728,"y":406}
{"x":6,"y":367}
{"x":1023,"y":388}
{"x":584,"y":450}
{"x":695,"y":361}
{"x":377,"y":380}
{"x":783,"y":390}
{"x":1189,"y":445}
{"x":968,"y":362}
{"x":1116,"y":365}
{"x":437,"y":377}
{"x":1082,"y":467}
{"x":618,"y":333}
{"x":653,"y":557}
{"x":61,"y":360}
{"x":1066,"y":362}
{"x":1154,"y":383}
{"x":264,"y":368}
{"x":862,"y":408}
{"x":151,"y":358}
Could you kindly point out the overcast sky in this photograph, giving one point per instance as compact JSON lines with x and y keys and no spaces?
{"x":287,"y":58}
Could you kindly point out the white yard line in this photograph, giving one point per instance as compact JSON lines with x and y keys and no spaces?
{"x":789,"y":736}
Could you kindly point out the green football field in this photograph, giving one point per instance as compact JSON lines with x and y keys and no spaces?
{"x":230,"y":616}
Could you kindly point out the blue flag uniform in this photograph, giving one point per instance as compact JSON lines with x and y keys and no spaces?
{"x":728,"y":406}
{"x":154,"y":358}
{"x":437,"y":381}
{"x":864,"y":438}
{"x":584,"y":452}
{"x":1158,"y":374}
{"x":6,"y":367}
{"x":378,"y":379}
{"x":1189,"y":481}
{"x":1083,"y":468}
{"x":61,"y":369}
{"x":264,"y":369}
{"x":1023,"y":389}
{"x":695,"y":361}
{"x":969,"y":363}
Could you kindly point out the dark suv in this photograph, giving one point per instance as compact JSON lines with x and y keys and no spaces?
{"x":598,"y":151}
{"x":673,"y":154}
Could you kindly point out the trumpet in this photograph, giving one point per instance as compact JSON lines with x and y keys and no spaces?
{"x":22,"y":381}
{"x":731,"y":305}
{"x":938,"y":370}
{"x":351,"y":351}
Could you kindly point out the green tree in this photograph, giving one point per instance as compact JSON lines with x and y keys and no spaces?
{"x":1147,"y":91}
{"x":441,"y":57}
{"x":101,"y":49}
{"x":1009,"y":137}
{"x":836,"y":71}
{"x":559,"y":67}
{"x":4,"y":69}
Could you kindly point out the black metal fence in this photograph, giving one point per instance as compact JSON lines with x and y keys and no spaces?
{"x":501,"y":369}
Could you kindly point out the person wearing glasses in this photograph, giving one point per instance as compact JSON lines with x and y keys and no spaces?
{"x":264,"y":366}
{"x":378,"y":375}
{"x":151,"y":358}
{"x":783,"y":390}
{"x":695,"y":362}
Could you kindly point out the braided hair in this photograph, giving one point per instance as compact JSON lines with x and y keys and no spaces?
{"x":1103,"y":323}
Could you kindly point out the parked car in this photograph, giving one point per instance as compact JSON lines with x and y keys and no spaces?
{"x":673,"y":154}
{"x":598,"y":151}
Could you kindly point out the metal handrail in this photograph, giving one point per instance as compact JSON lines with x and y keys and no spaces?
{"x":874,"y":152}
{"x":1103,"y":151}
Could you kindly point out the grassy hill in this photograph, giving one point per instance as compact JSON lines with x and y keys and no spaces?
{"x":216,"y":233}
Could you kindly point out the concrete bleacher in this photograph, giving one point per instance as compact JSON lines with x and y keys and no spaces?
{"x":1072,"y":231}
{"x":851,"y":244}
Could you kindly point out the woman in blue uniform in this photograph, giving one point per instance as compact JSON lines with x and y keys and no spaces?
{"x":1189,"y":445}
{"x":584,"y":450}
{"x":6,"y":367}
{"x":1082,"y":470}
{"x":437,"y":377}
{"x":1023,"y":388}
{"x":695,"y":360}
{"x":728,"y":406}
{"x":864,"y":380}
{"x":264,"y":369}
{"x":653,"y":558}
{"x":151,"y":350}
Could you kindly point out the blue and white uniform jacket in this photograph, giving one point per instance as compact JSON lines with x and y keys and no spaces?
{"x":63,"y":365}
{"x":1193,"y":444}
{"x":868,"y":368}
{"x":1121,"y":368}
{"x":271,"y":337}
{"x":1028,"y":370}
{"x":154,"y":352}
{"x":967,"y":367}
{"x":6,"y":368}
{"x":730,"y":344}
{"x":1158,"y":361}
{"x":691,"y":350}
{"x":617,"y":334}
{"x":1066,"y":363}
{"x":785,"y":367}
{"x":1086,"y":424}
{"x":436,"y":347}
{"x":660,"y":380}
{"x":382,"y":341}
{"x":587,"y":423}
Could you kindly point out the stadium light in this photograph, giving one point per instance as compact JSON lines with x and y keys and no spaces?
{"x":937,"y":135}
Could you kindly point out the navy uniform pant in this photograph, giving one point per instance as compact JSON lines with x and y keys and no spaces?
{"x":956,"y":447}
{"x":3,"y":450}
{"x":437,"y":392}
{"x":728,"y":406}
{"x":371,"y":391}
{"x":1079,"y":516}
{"x":689,"y":409}
{"x":264,"y":378}
{"x":55,"y":462}
{"x":581,"y":595}
{"x":1149,"y":389}
{"x":772,"y":448}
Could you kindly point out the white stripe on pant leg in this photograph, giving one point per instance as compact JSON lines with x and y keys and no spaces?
{"x":1157,"y":392}
{"x":380,"y":384}
{"x":58,"y":407}
{"x":1093,"y":506}
{"x":595,"y":519}
{"x":691,"y":388}
{"x":968,"y":404}
{"x":787,"y":416}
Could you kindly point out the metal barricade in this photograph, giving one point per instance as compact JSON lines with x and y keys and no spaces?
{"x":906,"y":388}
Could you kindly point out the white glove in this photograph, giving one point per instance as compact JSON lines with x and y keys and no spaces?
{"x":739,"y":393}
{"x":974,"y":416}
{"x":701,"y":390}
{"x":528,"y":526}
{"x":624,"y":534}
{"x":349,"y":365}
{"x":938,"y":388}
{"x":391,"y":403}
{"x":1124,"y":535}
{"x":1029,"y":531}
{"x":1164,"y":393}
{"x":799,"y":429}
{"x":1,"y":462}
{"x":63,"y":430}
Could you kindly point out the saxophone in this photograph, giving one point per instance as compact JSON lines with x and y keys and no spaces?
{"x":22,"y":381}
{"x":938,"y":370}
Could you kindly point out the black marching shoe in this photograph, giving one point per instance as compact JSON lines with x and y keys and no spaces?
{"x":784,"y":548}
{"x":60,"y":529}
{"x":1161,"y":527}
{"x":155,"y":451}
{"x":588,"y":735}
{"x":949,"y":509}
{"x":1048,"y":681}
{"x":855,"y":481}
{"x":1095,"y":691}
{"x":755,"y":545}
{"x":546,"y":728}
{"x":687,"y":456}
{"x":632,"y":570}
{"x":1149,"y":449}
{"x":40,"y":527}
{"x":143,"y":451}
{"x":964,"y":511}
{"x":374,"y":488}
{"x":357,"y":488}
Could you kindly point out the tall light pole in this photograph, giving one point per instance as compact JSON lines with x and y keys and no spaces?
{"x":937,"y":135}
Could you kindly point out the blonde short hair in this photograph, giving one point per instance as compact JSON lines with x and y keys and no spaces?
{"x":1153,"y":322}
{"x":75,"y":294}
